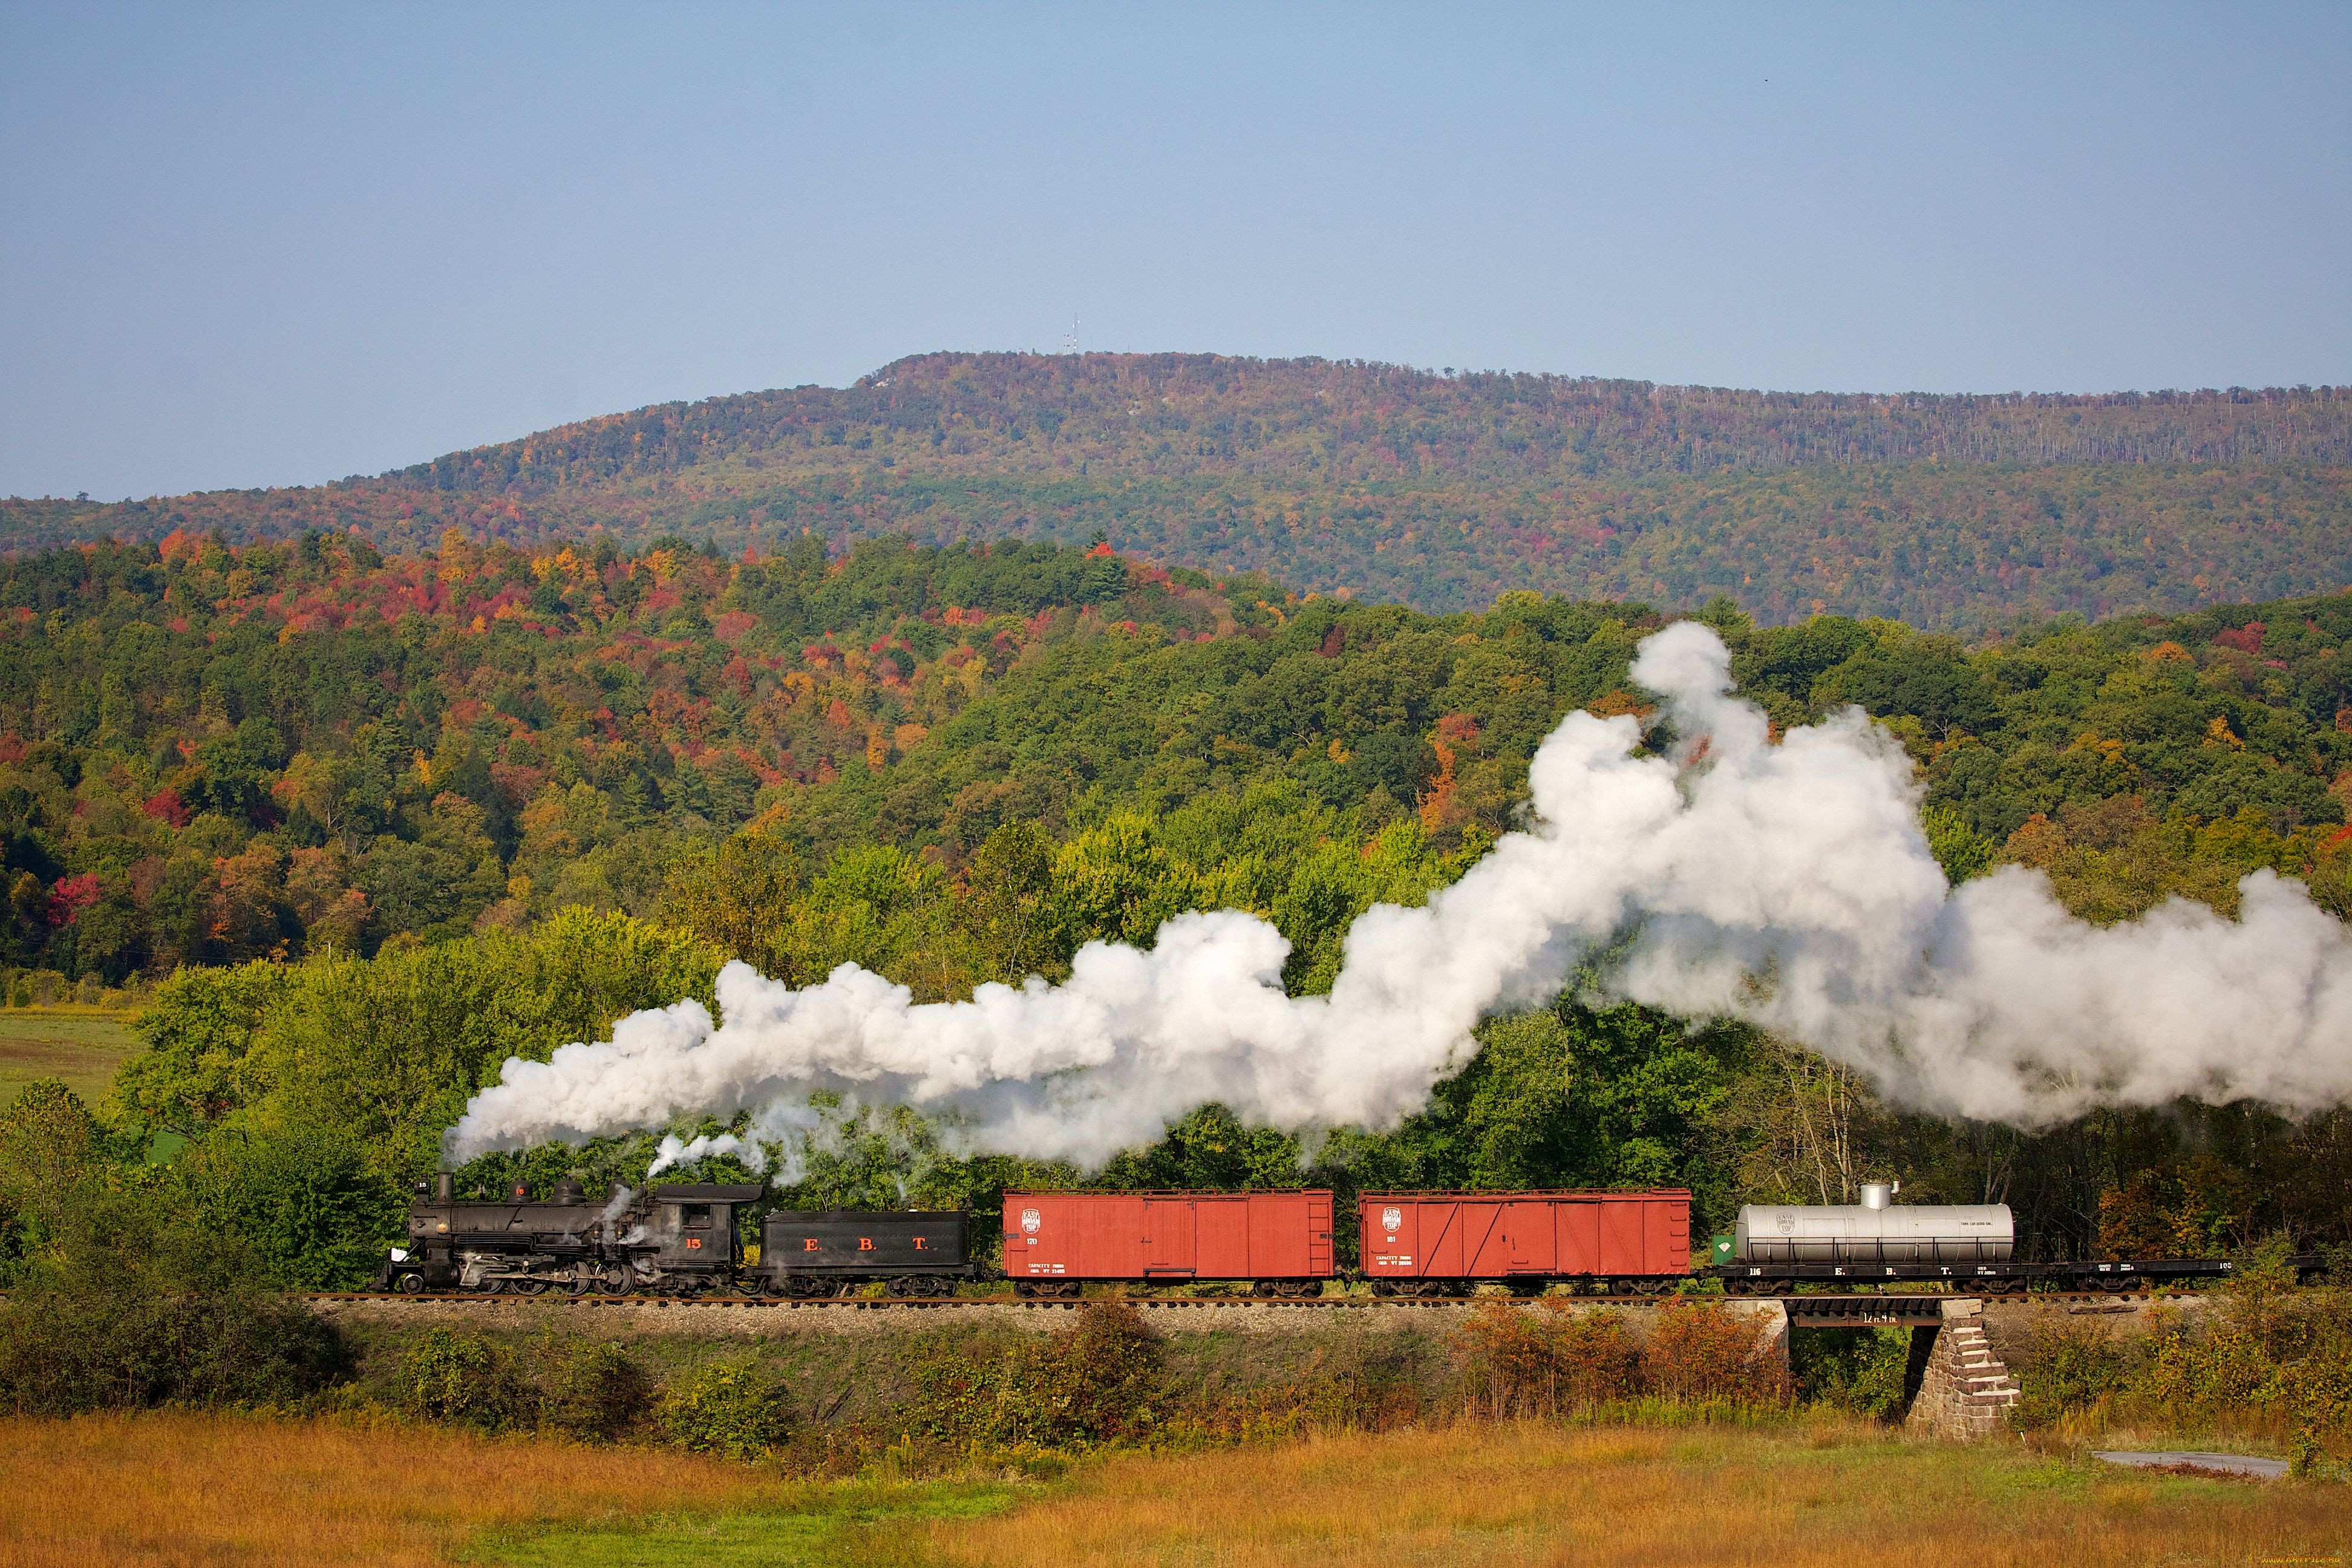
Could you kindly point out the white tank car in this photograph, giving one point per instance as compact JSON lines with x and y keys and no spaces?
{"x":1875,"y":1232}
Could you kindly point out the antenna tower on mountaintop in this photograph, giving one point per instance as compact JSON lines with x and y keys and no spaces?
{"x":1070,"y":343}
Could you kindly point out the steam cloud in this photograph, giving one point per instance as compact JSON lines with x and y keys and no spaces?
{"x":675,"y":1150}
{"x":1788,"y":885}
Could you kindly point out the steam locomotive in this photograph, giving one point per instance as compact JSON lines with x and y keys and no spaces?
{"x":680,"y":1239}
{"x":677,"y":1239}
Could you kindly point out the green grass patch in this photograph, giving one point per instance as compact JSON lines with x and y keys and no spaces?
{"x":82,"y":1047}
{"x":846,"y":1522}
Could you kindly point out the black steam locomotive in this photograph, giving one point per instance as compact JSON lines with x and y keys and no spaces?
{"x":673,"y":1240}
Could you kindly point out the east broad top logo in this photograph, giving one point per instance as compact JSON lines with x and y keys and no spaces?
{"x":1031,"y":1221}
{"x":1391,"y":1219}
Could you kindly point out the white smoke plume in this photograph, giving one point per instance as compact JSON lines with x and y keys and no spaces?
{"x":1788,"y":885}
{"x":674,"y":1150}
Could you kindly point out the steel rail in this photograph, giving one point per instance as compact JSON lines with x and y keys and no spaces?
{"x":1863,"y":1298}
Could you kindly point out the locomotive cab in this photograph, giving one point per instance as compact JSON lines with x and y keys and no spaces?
{"x":685,"y":1233}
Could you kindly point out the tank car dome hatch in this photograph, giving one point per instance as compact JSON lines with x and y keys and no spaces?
{"x":1875,"y":1232}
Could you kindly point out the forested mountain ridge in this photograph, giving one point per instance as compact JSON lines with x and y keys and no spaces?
{"x":1187,"y":414}
{"x":1440,"y":492}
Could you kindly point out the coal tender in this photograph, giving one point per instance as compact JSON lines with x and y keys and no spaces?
{"x":832,"y":1252}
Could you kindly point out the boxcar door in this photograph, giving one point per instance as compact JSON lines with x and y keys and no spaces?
{"x":1528,"y":1227}
{"x":1168,"y":1238}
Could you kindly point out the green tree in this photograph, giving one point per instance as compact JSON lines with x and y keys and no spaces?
{"x":199,"y":1032}
{"x":738,"y":899}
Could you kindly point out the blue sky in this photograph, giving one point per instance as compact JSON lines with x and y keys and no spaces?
{"x":248,"y":246}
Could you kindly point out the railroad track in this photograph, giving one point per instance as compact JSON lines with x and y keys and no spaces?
{"x":920,"y":1304}
{"x":1327,"y":1303}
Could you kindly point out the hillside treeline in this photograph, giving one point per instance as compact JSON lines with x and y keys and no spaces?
{"x":210,"y":753}
{"x":1440,"y":492}
{"x":367,"y":825}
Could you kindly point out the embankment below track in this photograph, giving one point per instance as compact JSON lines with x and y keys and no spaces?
{"x":855,"y":1363}
{"x":2018,"y":1327}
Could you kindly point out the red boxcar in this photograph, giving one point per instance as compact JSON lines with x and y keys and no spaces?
{"x":1281,"y":1240}
{"x":1429,"y":1237}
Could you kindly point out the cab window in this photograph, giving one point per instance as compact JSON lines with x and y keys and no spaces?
{"x":697,"y":1216}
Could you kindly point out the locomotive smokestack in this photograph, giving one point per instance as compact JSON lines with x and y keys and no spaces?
{"x":445,"y":1188}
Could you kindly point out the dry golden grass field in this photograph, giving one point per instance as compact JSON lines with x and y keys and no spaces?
{"x":80,"y":1045}
{"x":198,"y":1491}
{"x":1792,"y":1497}
{"x":129,"y":1491}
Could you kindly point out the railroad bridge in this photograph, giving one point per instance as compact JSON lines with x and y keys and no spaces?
{"x":1955,"y":1382}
